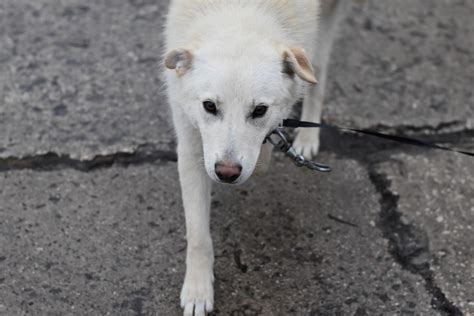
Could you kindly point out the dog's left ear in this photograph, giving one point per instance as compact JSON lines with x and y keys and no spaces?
{"x":296,"y":62}
{"x":180,"y":60}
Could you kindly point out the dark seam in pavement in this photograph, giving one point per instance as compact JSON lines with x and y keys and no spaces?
{"x":341,"y":221}
{"x":238,"y":261}
{"x":147,"y":154}
{"x":52,"y":161}
{"x":408,"y":244}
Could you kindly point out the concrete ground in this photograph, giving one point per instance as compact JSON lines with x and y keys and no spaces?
{"x":91,"y":221}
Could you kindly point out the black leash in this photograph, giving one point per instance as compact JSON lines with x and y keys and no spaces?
{"x":405,"y":140}
{"x":279,"y":139}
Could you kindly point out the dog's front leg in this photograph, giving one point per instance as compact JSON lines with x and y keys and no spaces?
{"x":197,"y":295}
{"x":307,"y":140}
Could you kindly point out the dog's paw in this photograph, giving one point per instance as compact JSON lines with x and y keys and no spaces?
{"x":307,"y":143}
{"x":197,"y":295}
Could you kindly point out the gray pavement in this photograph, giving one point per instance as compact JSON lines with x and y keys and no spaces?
{"x":405,"y":65}
{"x":91,"y":220}
{"x":78,"y":79}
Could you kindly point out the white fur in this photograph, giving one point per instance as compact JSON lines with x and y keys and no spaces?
{"x":237,"y":48}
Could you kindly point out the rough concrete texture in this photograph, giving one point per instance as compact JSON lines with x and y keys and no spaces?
{"x":91,"y":243}
{"x":77,"y":78}
{"x":111,"y":241}
{"x":388,"y":232}
{"x":436,"y":195}
{"x":404,"y":65}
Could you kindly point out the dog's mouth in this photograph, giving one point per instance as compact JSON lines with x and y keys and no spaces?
{"x":236,"y":182}
{"x":230,"y":181}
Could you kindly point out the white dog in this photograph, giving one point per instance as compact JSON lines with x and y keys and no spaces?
{"x":234,"y":70}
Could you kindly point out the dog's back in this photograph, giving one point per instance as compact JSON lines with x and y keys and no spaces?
{"x":294,"y":22}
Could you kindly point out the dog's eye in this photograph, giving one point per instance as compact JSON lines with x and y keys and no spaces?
{"x":259,"y":111}
{"x":210,"y":107}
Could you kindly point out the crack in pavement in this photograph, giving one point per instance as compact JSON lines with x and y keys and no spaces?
{"x":147,"y":153}
{"x":408,"y":244}
{"x":53,"y":161}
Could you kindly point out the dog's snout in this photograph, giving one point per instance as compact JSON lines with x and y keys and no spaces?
{"x":227,"y":171}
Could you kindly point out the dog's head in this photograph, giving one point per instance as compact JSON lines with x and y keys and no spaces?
{"x":235,"y":100}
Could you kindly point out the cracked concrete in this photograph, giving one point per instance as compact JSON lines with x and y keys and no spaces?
{"x":52,"y":161}
{"x":436,"y":206}
{"x":90,"y":213}
{"x":408,"y":244}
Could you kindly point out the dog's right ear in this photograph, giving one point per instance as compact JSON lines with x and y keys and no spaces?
{"x":180,"y":60}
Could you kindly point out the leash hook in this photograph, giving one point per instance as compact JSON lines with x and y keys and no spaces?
{"x":281,"y":142}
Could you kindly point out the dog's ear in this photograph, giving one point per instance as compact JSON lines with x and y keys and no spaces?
{"x":296,"y":62}
{"x":180,"y":60}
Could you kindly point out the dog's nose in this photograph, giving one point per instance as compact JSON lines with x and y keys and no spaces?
{"x":227,"y":171}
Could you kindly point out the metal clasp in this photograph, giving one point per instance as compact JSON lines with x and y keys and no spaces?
{"x":279,"y":139}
